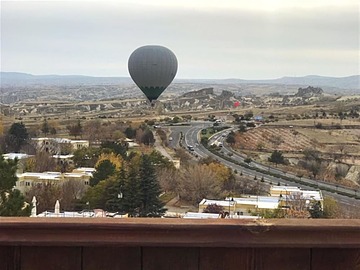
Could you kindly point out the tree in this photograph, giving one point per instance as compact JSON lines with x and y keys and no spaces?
{"x":41,"y":162}
{"x":204,"y":141}
{"x":151,"y":205}
{"x":71,"y":191}
{"x":66,"y":148}
{"x":316,"y":210}
{"x":75,"y":130}
{"x":132,"y":193}
{"x":117,"y":148}
{"x":130,"y":132}
{"x":45,"y":128}
{"x":159,"y":161}
{"x":312,"y":161}
{"x":86,"y":157}
{"x":197,"y":182}
{"x":242,"y":128}
{"x":46,"y":196}
{"x":214,"y":208}
{"x":276,"y":141}
{"x":115,"y":203}
{"x":97,"y":196}
{"x":115,"y":159}
{"x":230,"y":139}
{"x":103,"y":171}
{"x":147,"y":137}
{"x":277,"y":157}
{"x":16,"y":137}
{"x":167,"y":178}
{"x":12,"y":203}
{"x":331,"y":208}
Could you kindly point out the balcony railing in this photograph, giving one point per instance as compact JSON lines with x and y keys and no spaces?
{"x":101,"y":243}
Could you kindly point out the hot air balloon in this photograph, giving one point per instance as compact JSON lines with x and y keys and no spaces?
{"x":152,"y":68}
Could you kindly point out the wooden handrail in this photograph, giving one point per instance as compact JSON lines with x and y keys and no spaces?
{"x":281,"y":233}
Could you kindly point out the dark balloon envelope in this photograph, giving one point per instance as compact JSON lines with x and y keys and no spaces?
{"x":152,"y":68}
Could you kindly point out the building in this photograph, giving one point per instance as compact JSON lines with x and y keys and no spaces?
{"x":29,"y":179}
{"x":21,"y":160}
{"x":54,"y":145}
{"x":228,"y":205}
{"x":250,"y":205}
{"x":289,"y":195}
{"x":280,"y":197}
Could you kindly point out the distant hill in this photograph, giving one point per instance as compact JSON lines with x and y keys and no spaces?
{"x":22,"y":79}
{"x":350,"y":82}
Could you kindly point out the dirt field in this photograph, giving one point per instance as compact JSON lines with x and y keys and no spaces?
{"x":293,"y":140}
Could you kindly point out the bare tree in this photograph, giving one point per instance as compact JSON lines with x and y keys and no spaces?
{"x":276,"y":141}
{"x":41,"y":162}
{"x":197,"y":182}
{"x":46,"y":196}
{"x":167,"y":178}
{"x":72,"y":190}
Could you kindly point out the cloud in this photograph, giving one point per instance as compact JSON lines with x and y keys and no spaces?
{"x":97,"y":38}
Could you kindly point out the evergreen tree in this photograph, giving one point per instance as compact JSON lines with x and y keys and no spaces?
{"x":103,"y":171}
{"x":16,"y":137}
{"x":115,"y":203}
{"x":159,"y":160}
{"x":132,"y":192}
{"x":277,"y":157}
{"x":12,"y":203}
{"x":117,"y":148}
{"x":151,"y":205}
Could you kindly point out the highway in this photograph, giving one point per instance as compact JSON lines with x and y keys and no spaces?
{"x":192,"y":137}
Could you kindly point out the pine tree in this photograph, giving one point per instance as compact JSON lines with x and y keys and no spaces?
{"x":16,"y":137}
{"x":12,"y":203}
{"x":132,"y":192}
{"x":115,"y":203}
{"x":151,"y":205}
{"x":103,"y":171}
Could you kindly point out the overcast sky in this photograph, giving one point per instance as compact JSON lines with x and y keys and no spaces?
{"x":257,"y":39}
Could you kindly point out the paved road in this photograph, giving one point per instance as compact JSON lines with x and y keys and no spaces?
{"x":191,"y":137}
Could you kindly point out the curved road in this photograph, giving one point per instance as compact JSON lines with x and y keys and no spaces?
{"x":191,"y":136}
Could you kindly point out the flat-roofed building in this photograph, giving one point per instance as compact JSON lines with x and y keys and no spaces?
{"x":54,"y":145}
{"x":29,"y":179}
{"x":288,"y":195}
{"x":249,"y":205}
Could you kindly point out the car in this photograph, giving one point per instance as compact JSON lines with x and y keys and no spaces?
{"x":170,"y":139}
{"x":190,"y":147}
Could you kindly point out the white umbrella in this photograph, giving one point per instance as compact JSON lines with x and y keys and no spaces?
{"x":33,"y":209}
{"x":57,"y":207}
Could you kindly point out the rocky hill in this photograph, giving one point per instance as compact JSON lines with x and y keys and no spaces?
{"x":309,"y":92}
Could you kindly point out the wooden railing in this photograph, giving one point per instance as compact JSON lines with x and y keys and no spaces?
{"x":100,"y":243}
